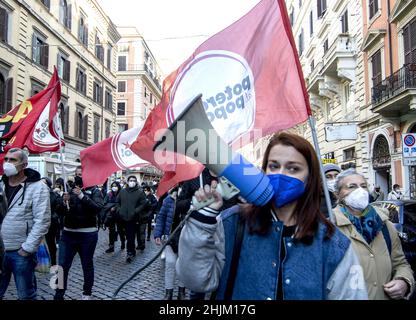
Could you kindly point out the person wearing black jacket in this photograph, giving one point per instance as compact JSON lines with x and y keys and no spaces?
{"x":111,"y":220}
{"x":54,"y":231}
{"x":131,"y":201}
{"x":152,"y":209}
{"x":80,"y":235}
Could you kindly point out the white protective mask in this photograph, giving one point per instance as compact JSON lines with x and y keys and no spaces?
{"x":9,"y":169}
{"x":132,"y":184}
{"x":331,"y":184}
{"x":114,"y":189}
{"x":358,"y":199}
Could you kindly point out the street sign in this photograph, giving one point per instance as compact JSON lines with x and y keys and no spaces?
{"x":334,"y":132}
{"x":409,"y":149}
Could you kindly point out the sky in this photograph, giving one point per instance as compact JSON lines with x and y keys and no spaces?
{"x":173,"y":29}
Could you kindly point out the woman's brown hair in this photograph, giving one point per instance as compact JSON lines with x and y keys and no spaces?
{"x":307,"y":214}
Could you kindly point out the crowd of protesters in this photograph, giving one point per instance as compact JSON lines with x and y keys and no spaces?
{"x":227,"y":250}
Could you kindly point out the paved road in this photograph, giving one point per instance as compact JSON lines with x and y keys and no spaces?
{"x":110,"y":271}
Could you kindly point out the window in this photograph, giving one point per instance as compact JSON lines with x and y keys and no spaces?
{"x":344,"y":22}
{"x":145,"y":92}
{"x":97,"y":94}
{"x":376,"y":67}
{"x":83,"y":31}
{"x":123,"y":127}
{"x":6,"y":94}
{"x":372,"y":8}
{"x":121,"y":86}
{"x":81,"y":85}
{"x":311,"y":23}
{"x":109,"y":56}
{"x":96,"y":128}
{"x":40,"y":50}
{"x":107,"y":129}
{"x":46,"y":3}
{"x":321,"y":8}
{"x":326,"y":46}
{"x":64,"y":114}
{"x":108,"y":102}
{"x":36,"y":87}
{"x":292,"y":16}
{"x":64,"y":67}
{"x":300,"y":4}
{"x":301,"y":43}
{"x":409,"y":42}
{"x":80,"y":125}
{"x":122,"y":61}
{"x":99,"y":50}
{"x":312,"y":65}
{"x":65,"y":13}
{"x":121,"y":108}
{"x":151,"y":98}
{"x":4,"y":25}
{"x":349,"y":154}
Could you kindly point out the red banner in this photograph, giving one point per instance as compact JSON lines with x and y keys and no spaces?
{"x":108,"y":156}
{"x":250,"y":79}
{"x":34,"y":123}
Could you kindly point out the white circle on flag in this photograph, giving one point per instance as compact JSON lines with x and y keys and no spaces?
{"x":121,"y":143}
{"x":227,"y":85}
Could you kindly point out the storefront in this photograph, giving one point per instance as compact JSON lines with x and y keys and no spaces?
{"x":51,"y":166}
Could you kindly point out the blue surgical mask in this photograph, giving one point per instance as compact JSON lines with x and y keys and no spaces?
{"x":286,"y":189}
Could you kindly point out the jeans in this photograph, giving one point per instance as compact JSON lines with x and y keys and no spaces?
{"x":23,"y":270}
{"x":141,"y":235}
{"x":84,"y":244}
{"x":130,"y":227}
{"x":114,"y":230}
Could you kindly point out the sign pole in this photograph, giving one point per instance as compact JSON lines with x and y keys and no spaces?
{"x":312,"y":122}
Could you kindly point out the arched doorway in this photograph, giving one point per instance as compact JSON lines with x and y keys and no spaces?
{"x":382,"y":164}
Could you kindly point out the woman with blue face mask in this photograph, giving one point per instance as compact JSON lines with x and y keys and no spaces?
{"x":283,"y":250}
{"x":387,"y":273}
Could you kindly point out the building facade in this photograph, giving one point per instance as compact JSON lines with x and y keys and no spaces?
{"x":79,"y":39}
{"x":139,"y":88}
{"x":390,"y":65}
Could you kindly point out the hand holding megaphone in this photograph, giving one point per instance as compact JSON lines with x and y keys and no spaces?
{"x":211,"y":195}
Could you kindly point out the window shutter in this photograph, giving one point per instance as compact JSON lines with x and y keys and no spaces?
{"x":4,"y":18}
{"x":67,"y":70}
{"x":69,"y":17}
{"x":9,"y":94}
{"x":34,"y":48}
{"x":85,"y":129}
{"x":101,"y":95}
{"x":84,"y":83}
{"x":66,"y":126}
{"x":78,"y":80}
{"x":319,"y":8}
{"x":45,"y":55}
{"x":85,"y":35}
{"x":412,"y":30}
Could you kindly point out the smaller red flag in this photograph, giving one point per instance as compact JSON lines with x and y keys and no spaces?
{"x":108,"y":156}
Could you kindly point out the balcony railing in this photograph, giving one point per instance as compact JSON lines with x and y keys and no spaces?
{"x":140,"y":68}
{"x":402,"y":79}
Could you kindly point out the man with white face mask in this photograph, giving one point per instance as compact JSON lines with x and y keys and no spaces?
{"x":27,"y":220}
{"x":387,"y":273}
{"x":331,"y":172}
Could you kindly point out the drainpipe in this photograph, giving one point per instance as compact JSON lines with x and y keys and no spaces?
{"x":389,"y":37}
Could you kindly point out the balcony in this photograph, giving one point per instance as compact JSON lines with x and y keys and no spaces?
{"x":140,"y":68}
{"x":339,"y":60}
{"x":396,"y":94}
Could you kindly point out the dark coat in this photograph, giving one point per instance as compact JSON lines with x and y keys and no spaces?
{"x":131,"y":204}
{"x":165,"y":217}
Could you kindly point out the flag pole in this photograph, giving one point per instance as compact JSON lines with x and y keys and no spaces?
{"x":312,"y":122}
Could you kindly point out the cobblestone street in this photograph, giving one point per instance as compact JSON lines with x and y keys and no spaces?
{"x":110,"y":271}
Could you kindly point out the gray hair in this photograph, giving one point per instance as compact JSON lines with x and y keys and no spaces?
{"x":344,"y":174}
{"x":23,"y":154}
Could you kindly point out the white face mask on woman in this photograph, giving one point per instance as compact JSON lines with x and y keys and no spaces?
{"x":331,"y":184}
{"x":358,"y":199}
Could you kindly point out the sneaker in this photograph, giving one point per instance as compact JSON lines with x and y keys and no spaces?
{"x":85,"y":297}
{"x":110,"y":249}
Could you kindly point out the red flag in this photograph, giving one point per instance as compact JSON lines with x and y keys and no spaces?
{"x":35,"y":123}
{"x":102,"y":159}
{"x":250,"y":78}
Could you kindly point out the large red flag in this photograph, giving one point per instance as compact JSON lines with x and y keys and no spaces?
{"x":250,"y":78}
{"x":108,"y":156}
{"x":34,"y":123}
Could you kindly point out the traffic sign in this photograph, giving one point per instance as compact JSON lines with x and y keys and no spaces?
{"x":409,"y":149}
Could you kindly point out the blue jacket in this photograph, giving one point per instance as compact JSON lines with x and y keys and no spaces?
{"x":164,"y":218}
{"x":326,"y":269}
